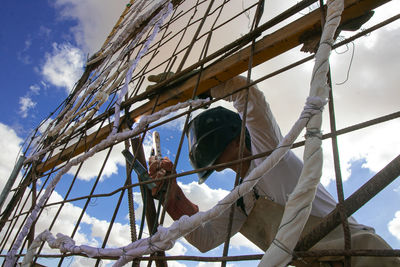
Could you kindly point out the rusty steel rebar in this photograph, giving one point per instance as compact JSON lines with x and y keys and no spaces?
{"x":181,"y":52}
{"x":365,"y":193}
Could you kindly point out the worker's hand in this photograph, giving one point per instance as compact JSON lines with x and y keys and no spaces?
{"x":157,"y":79}
{"x":228,"y":87}
{"x":158,"y":169}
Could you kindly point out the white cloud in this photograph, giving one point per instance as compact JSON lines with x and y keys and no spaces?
{"x":386,"y":11}
{"x":35,"y":89}
{"x":176,"y":264}
{"x":95,"y":19}
{"x":91,"y":166}
{"x":45,"y":85}
{"x":177,"y":250}
{"x":213,"y":264}
{"x":83,"y":262}
{"x":66,"y":221}
{"x":10,"y":144}
{"x":148,"y":144}
{"x":239,"y":241}
{"x":63,"y":66}
{"x":118,"y":236}
{"x":26,"y":104}
{"x":206,"y":198}
{"x":23,"y":55}
{"x":202,"y":195}
{"x":44,"y":31}
{"x":328,"y":169}
{"x":370,"y":92}
{"x":376,"y":146}
{"x":394,"y":225}
{"x":92,"y":234}
{"x":383,"y":149}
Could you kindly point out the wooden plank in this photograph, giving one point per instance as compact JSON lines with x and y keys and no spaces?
{"x":267,"y":48}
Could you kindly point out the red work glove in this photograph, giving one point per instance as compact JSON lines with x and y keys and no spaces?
{"x":177,"y":204}
{"x":158,"y":169}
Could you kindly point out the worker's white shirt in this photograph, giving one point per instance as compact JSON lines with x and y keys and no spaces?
{"x":276,"y":185}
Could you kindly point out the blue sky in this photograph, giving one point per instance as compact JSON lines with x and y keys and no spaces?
{"x":43,"y":47}
{"x":24,"y":43}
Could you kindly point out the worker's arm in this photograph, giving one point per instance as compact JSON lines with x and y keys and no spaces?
{"x":208,"y":235}
{"x":264,"y":130}
{"x":177,"y":203}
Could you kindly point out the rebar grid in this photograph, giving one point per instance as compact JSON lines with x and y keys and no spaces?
{"x":303,"y":254}
{"x":173,"y":29}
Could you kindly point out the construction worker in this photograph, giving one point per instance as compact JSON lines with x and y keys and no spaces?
{"x":214,"y":138}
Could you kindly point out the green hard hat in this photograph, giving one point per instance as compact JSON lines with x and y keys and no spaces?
{"x":209,"y":134}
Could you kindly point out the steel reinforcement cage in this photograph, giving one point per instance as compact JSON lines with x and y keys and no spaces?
{"x":203,"y":43}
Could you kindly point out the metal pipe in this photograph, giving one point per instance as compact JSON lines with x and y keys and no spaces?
{"x":11,"y":180}
{"x":365,"y":193}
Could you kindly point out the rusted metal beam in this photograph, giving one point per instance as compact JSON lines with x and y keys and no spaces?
{"x":151,"y":214}
{"x":302,"y":254}
{"x":365,"y":193}
{"x":267,"y":48}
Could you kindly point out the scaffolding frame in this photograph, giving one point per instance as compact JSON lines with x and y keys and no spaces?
{"x":198,"y":70}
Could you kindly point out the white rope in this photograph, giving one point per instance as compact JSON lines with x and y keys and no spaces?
{"x":111,"y":139}
{"x":102,"y":95}
{"x":158,"y":22}
{"x":299,"y":204}
{"x":165,"y":237}
{"x":135,"y":23}
{"x":135,"y":9}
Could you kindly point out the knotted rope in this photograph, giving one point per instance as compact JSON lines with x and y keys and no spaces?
{"x":304,"y":192}
{"x":111,"y":139}
{"x":299,"y":204}
{"x":104,"y":84}
{"x":165,"y":238}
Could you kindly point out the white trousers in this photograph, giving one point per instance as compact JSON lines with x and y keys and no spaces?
{"x":262,"y":224}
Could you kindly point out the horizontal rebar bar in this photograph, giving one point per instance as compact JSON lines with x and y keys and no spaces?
{"x":43,"y":167}
{"x":264,"y":154}
{"x":302,"y":254}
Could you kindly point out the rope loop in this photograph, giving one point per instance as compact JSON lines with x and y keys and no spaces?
{"x":314,"y":105}
{"x":313,"y":133}
{"x":329,"y":43}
